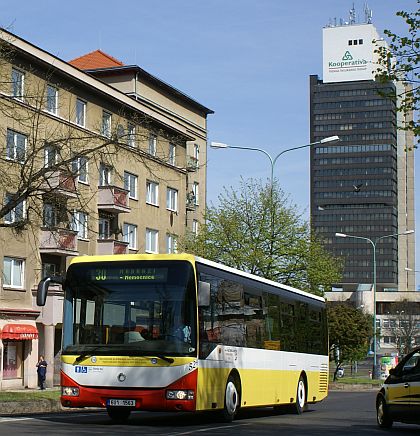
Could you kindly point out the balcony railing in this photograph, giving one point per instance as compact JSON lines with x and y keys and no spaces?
{"x":113,"y":199}
{"x":61,"y":182}
{"x":62,"y":242}
{"x":192,"y":163}
{"x":112,"y":246}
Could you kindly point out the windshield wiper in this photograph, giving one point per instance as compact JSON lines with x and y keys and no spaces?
{"x":86,"y":354}
{"x":166,"y":359}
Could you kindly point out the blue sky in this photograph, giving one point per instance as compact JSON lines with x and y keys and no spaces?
{"x":248,"y":60}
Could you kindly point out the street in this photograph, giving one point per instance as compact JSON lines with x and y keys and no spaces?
{"x":345,"y":413}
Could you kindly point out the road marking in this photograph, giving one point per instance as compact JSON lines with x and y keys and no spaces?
{"x":203,"y":430}
{"x":17,"y":418}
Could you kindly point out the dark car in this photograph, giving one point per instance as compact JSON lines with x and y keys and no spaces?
{"x":399,"y":398}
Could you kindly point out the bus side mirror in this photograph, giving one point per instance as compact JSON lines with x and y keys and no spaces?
{"x":42,"y":291}
{"x":203,"y":294}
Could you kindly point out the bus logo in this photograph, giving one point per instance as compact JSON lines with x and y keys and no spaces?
{"x":81,"y":369}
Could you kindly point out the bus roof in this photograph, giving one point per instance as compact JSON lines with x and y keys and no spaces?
{"x":192,"y":259}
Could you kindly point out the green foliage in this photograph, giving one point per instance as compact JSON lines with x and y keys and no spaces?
{"x":258,"y":231}
{"x":350,"y":330}
{"x":401,"y":63}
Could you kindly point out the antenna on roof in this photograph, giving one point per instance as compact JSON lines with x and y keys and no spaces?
{"x":352,"y":15}
{"x":368,"y":14}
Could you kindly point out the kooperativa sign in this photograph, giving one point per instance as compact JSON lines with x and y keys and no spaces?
{"x":349,"y":53}
{"x":347,"y":63}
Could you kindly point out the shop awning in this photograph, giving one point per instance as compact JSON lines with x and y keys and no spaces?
{"x":19,"y":332}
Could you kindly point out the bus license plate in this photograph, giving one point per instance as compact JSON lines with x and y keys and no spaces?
{"x":121,"y":403}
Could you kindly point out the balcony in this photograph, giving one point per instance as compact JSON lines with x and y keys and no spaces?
{"x":192,"y":163}
{"x":112,"y":199}
{"x":61,"y":242}
{"x":60,"y":182}
{"x":112,"y":246}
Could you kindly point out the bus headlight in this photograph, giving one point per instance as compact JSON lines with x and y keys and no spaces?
{"x":180,"y":395}
{"x":69,"y":391}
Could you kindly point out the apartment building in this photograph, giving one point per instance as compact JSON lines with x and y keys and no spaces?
{"x":97,"y":157}
{"x":363,"y":187}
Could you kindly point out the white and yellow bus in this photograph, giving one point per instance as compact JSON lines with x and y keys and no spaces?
{"x":181,"y":333}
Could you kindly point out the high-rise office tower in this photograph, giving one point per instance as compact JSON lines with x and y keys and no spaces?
{"x":364,"y":185}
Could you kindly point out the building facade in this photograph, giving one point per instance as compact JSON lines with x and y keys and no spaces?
{"x":362,"y":186}
{"x":96,"y":158}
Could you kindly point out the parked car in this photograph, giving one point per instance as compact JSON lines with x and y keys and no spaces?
{"x":399,"y":398}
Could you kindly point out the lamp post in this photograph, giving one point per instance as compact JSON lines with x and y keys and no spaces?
{"x":374,"y":243}
{"x":274,"y":160}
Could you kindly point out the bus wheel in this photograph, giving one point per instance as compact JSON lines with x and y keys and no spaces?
{"x":300,"y":403}
{"x":231,"y":400}
{"x":118,"y":414}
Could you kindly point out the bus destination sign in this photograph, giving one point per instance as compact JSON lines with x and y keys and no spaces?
{"x":158,"y":275}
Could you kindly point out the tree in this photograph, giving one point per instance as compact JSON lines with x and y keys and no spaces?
{"x":258,"y":231}
{"x":405,"y":327}
{"x":350,"y":330}
{"x":400,"y":63}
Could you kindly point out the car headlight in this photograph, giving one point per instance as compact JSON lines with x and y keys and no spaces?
{"x":69,"y":391}
{"x":180,"y":395}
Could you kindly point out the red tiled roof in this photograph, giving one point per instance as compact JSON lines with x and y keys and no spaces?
{"x":95,"y":59}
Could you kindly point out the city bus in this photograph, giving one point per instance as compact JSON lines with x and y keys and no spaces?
{"x":175,"y":332}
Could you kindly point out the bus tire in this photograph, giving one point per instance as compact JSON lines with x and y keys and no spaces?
{"x":300,"y":404}
{"x":118,"y":414}
{"x":232,"y":401}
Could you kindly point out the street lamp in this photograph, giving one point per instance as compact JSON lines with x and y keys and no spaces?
{"x":374,"y":243}
{"x":274,"y":160}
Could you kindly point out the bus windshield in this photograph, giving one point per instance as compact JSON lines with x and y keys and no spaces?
{"x":130,"y":308}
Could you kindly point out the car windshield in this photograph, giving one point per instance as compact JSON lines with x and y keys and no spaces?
{"x":130,"y":308}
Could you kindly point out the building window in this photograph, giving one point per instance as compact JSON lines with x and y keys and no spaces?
{"x":16,"y":146}
{"x":171,"y":243}
{"x":104,"y":175}
{"x":130,"y":183}
{"x":172,"y":154}
{"x":131,"y":135}
{"x":17,"y":213}
{"x":195,"y":192}
{"x":49,"y":270}
{"x":152,"y":144}
{"x":106,"y":124}
{"x":51,"y":215}
{"x":195,"y":227}
{"x":12,"y":359}
{"x":80,"y":224}
{"x":104,"y":228}
{"x":152,"y":193}
{"x":130,"y":235}
{"x":152,"y":241}
{"x":50,"y":155}
{"x":196,"y":152}
{"x":52,"y":99}
{"x":80,"y":168}
{"x":360,"y":41}
{"x":13,"y":270}
{"x":18,"y":80}
{"x":80,"y":112}
{"x":350,"y":42}
{"x":172,"y":200}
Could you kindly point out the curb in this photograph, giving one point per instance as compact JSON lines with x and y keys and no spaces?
{"x":353,"y":387}
{"x":8,"y":408}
